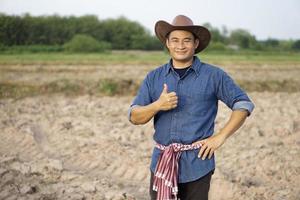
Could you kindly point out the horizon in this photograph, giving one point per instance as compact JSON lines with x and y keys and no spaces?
{"x":265,"y":20}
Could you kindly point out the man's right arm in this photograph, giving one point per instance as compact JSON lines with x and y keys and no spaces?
{"x":143,"y":114}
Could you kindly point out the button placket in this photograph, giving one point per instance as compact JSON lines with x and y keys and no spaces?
{"x":176,"y":115}
{"x":174,"y":119}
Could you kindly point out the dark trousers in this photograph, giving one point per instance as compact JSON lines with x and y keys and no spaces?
{"x":195,"y":190}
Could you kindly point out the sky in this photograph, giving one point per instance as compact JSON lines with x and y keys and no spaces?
{"x":279,"y":19}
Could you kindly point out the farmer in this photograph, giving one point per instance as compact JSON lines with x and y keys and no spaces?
{"x":182,"y":96}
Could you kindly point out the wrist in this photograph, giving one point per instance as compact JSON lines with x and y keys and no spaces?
{"x":156,"y":106}
{"x":223,"y":135}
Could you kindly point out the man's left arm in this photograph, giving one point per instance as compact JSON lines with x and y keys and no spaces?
{"x":236,"y":99}
{"x":211,"y":144}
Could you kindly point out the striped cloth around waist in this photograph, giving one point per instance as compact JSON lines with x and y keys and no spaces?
{"x":166,"y":172}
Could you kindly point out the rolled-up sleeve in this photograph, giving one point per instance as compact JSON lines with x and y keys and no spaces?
{"x":232,"y":95}
{"x":143,"y":96}
{"x":244,"y":105}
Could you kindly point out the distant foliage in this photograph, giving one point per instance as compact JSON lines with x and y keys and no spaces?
{"x":18,"y":33}
{"x":218,"y":46}
{"x":296,"y":45}
{"x":242,"y":38}
{"x":120,"y":33}
{"x":217,"y":35}
{"x":85,"y":43}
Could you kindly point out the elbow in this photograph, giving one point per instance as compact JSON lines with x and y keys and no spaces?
{"x":133,"y":121}
{"x":133,"y":118}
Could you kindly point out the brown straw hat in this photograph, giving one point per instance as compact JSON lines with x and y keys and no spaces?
{"x":181,"y":22}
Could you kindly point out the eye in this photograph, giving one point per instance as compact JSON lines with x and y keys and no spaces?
{"x":187,"y":40}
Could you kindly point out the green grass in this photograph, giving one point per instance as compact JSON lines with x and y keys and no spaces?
{"x":90,"y":58}
{"x":11,"y":89}
{"x":106,"y":87}
{"x":140,"y":57}
{"x":254,"y":57}
{"x":109,"y":87}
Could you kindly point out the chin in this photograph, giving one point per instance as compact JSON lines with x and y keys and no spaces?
{"x":182,"y":58}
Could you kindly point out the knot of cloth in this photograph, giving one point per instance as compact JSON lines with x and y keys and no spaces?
{"x":165,"y":180}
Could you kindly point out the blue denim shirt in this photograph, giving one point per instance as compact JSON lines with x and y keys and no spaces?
{"x":198,"y":92}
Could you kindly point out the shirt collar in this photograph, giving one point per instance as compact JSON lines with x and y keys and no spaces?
{"x":195,"y":66}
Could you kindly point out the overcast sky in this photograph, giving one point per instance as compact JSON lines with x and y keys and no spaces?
{"x":264,"y":18}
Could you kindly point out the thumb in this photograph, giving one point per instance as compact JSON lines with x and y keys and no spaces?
{"x":165,"y":90}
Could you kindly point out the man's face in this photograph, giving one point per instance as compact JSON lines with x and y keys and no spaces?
{"x":181,"y":45}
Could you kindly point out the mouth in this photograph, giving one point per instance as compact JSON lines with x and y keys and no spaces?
{"x":181,"y":52}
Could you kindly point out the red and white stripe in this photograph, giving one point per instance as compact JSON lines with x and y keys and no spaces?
{"x":166,"y":173}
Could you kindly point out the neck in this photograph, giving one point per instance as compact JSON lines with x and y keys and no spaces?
{"x":182,"y":64}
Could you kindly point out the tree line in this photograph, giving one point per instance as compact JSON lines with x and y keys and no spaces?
{"x":119,"y":33}
{"x":88,"y":33}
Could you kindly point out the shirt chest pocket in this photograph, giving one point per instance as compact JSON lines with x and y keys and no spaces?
{"x":198,"y":104}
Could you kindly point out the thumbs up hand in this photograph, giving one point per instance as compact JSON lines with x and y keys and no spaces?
{"x":167,"y":101}
{"x":165,"y":89}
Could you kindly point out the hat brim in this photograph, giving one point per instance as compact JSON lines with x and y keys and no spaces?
{"x":162,"y":29}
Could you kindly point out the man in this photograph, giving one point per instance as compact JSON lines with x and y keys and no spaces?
{"x":182,"y":96}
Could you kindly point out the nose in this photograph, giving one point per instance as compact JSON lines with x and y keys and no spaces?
{"x":181,"y":45}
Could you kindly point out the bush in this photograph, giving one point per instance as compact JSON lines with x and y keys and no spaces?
{"x":86,"y":43}
{"x":108,"y":87}
{"x":296,"y":45}
{"x":63,"y":86}
{"x":146,"y":42}
{"x":218,"y":46}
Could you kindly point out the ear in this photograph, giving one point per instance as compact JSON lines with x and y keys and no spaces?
{"x":196,"y":43}
{"x":167,"y":43}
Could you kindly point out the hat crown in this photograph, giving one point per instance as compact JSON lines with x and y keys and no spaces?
{"x":181,"y":20}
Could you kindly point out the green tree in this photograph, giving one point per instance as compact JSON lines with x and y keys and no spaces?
{"x":86,"y":43}
{"x":216,"y":34}
{"x":12,"y":30}
{"x":286,"y":45}
{"x":122,"y":32}
{"x":242,"y":38}
{"x":296,"y":45}
{"x":271,"y":42}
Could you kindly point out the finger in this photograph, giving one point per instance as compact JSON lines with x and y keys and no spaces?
{"x":172,"y":101}
{"x":172,"y":94}
{"x":202,"y":142}
{"x":206,"y":152}
{"x":173,"y":98}
{"x":201,"y":151}
{"x":165,"y":90}
{"x":210,"y":154}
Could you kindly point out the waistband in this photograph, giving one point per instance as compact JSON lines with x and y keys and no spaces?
{"x":178,"y":146}
{"x":165,"y":180}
